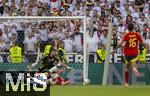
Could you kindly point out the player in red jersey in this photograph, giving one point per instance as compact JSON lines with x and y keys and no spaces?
{"x":130,"y":50}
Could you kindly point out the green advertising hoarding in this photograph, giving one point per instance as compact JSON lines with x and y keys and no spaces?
{"x":95,"y":73}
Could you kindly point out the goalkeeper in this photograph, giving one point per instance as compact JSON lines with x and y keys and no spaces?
{"x":50,"y":58}
{"x":53,"y":77}
{"x":48,"y":61}
{"x":44,"y":60}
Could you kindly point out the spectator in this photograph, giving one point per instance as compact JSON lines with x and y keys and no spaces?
{"x":43,"y":36}
{"x":1,"y":7}
{"x":40,"y":11}
{"x":141,"y":21}
{"x":115,"y":37}
{"x":2,"y":43}
{"x":98,"y":13}
{"x":66,"y":8}
{"x":145,"y":30}
{"x":30,"y":43}
{"x":97,"y":6}
{"x":13,"y":10}
{"x":21,"y":12}
{"x":129,"y":19}
{"x":79,"y":11}
{"x":13,"y":39}
{"x":6,"y":35}
{"x":140,"y":4}
{"x":78,"y":38}
{"x":103,"y":37}
{"x":148,"y":43}
{"x":21,"y":4}
{"x":69,"y":43}
{"x":55,"y":4}
{"x":135,"y":13}
{"x":121,"y":28}
{"x":89,"y":8}
{"x":6,"y":11}
{"x":93,"y":40}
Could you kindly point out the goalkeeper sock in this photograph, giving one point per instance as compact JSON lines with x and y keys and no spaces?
{"x":126,"y":76}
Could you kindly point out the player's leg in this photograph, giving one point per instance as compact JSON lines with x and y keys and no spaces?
{"x":54,"y":69}
{"x":56,"y":79}
{"x":64,"y":65}
{"x":135,"y":70}
{"x":134,"y":67}
{"x":61,"y":81}
{"x":126,"y":71}
{"x":126,"y":74}
{"x":66,"y":81}
{"x":49,"y":80}
{"x":53,"y":79}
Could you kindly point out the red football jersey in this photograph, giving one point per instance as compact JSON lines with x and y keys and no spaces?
{"x":131,"y":40}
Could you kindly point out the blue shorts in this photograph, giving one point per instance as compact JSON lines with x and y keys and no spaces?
{"x":131,"y":59}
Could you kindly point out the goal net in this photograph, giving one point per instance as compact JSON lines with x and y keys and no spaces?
{"x":32,"y":33}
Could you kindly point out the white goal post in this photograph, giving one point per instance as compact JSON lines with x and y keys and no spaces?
{"x":42,"y":18}
{"x":108,"y":48}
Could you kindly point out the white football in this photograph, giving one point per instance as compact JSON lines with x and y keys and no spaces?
{"x":86,"y":82}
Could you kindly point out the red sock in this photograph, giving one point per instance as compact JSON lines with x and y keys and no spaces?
{"x":126,"y":76}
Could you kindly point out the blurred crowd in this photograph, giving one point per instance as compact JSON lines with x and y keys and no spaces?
{"x":98,"y":13}
{"x":35,"y":34}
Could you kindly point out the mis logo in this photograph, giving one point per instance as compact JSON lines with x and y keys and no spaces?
{"x":20,"y":80}
{"x":21,"y":84}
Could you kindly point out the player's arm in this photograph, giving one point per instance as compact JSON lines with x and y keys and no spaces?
{"x":60,"y":63}
{"x":141,"y":40}
{"x":118,"y":46}
{"x":143,"y":44}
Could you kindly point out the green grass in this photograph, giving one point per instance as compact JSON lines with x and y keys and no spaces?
{"x":98,"y":90}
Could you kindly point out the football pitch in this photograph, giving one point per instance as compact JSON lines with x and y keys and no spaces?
{"x":99,"y":90}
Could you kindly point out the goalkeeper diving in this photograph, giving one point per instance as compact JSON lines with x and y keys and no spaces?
{"x":50,"y":62}
{"x":52,"y":57}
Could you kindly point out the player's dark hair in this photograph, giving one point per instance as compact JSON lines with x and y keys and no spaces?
{"x":130,"y":26}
